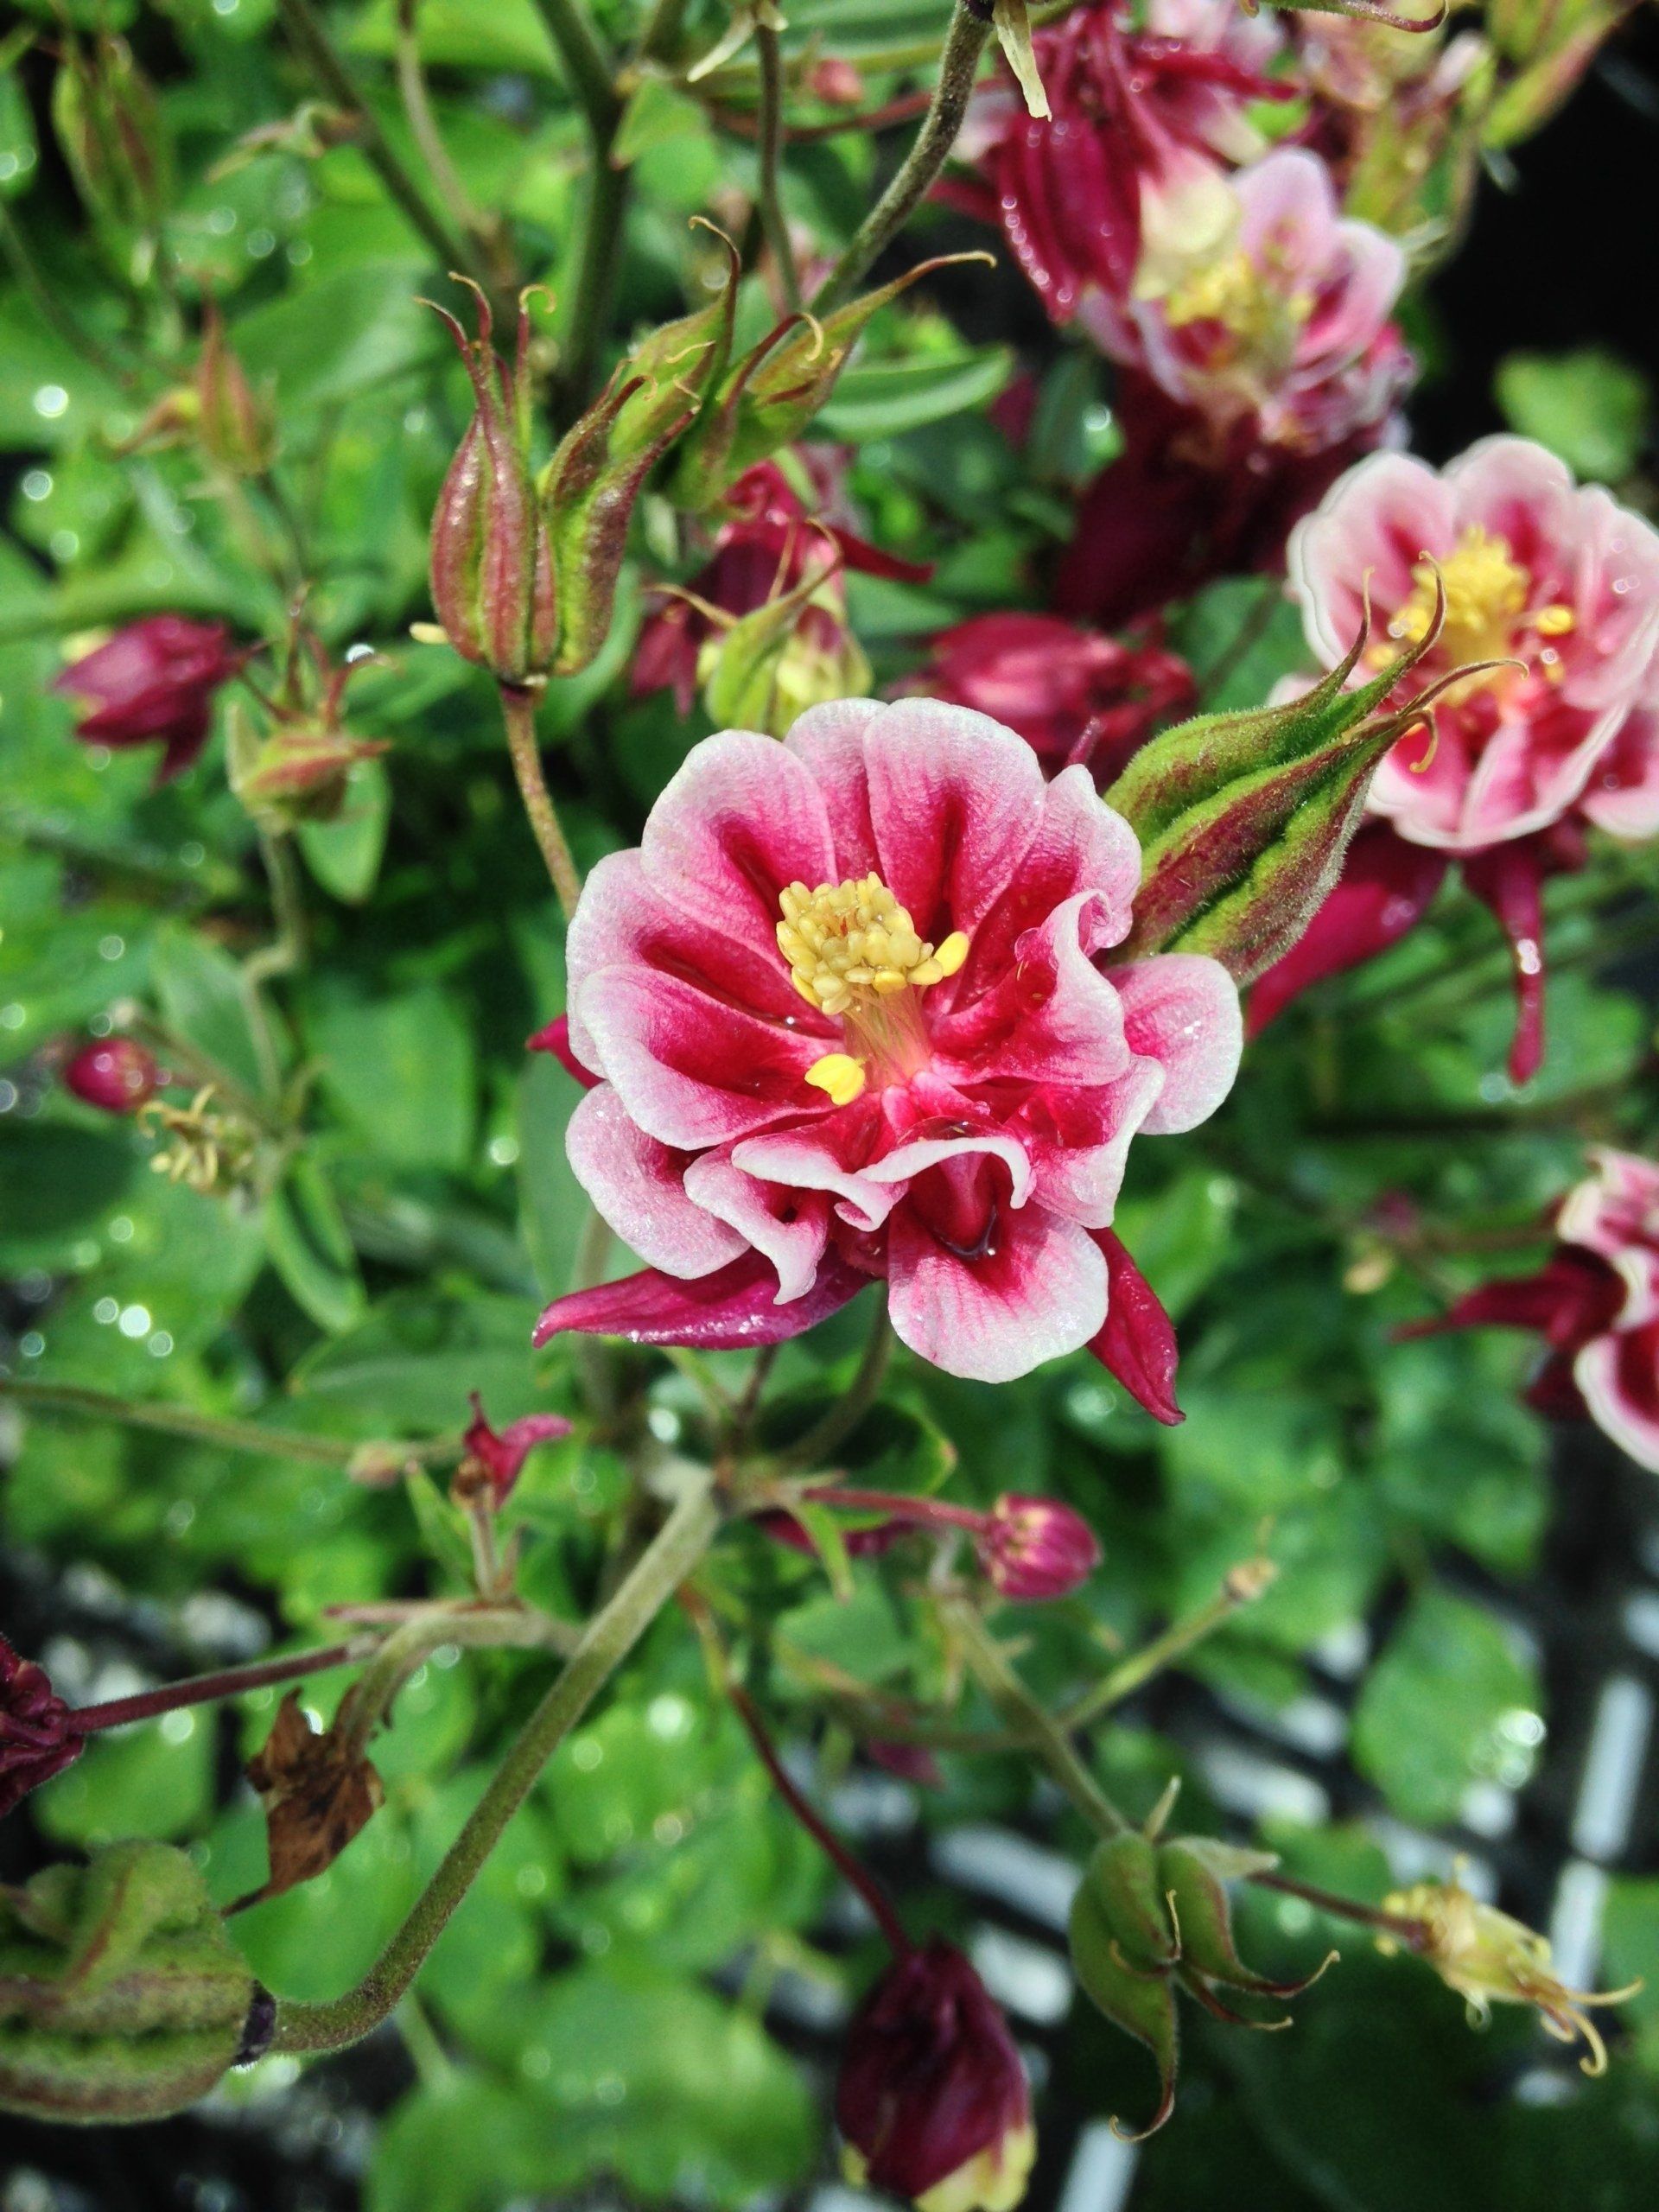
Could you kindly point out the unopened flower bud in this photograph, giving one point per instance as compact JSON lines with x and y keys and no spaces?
{"x":933,"y":2102}
{"x":299,"y":772}
{"x":236,"y":426}
{"x":153,"y":682}
{"x":494,"y":1456}
{"x":37,"y":1740}
{"x":492,"y":563}
{"x":1035,"y":1547}
{"x":109,"y":124}
{"x":117,"y":1075}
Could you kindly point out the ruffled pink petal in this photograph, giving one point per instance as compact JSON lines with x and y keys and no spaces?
{"x":556,"y":1038}
{"x":1079,"y":1142}
{"x":740,"y":820}
{"x":1137,"y":1343}
{"x":638,"y":1186}
{"x":1619,"y":1376}
{"x":1622,"y":796}
{"x":829,"y":741}
{"x":690,"y":1070}
{"x":1081,"y":844}
{"x":1381,"y":518}
{"x":1384,"y":890}
{"x":1181,"y":1009}
{"x":789,"y":1227}
{"x":732,"y":1310}
{"x":1040,"y":1292}
{"x":1508,"y":879}
{"x":1051,"y":1017}
{"x":828,"y":1157}
{"x":917,"y":1153}
{"x":956,"y":801}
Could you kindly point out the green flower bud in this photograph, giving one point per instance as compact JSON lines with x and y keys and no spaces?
{"x":121,"y":1996}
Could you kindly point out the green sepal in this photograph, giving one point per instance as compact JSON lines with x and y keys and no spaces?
{"x":1195,"y":1872}
{"x":770,"y":397}
{"x":1123,"y":1875}
{"x":1141,"y":2004}
{"x":1243,"y":818}
{"x":121,"y":1996}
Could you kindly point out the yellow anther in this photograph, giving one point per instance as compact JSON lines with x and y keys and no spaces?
{"x":1555,"y":621}
{"x":849,"y":943}
{"x":839,"y":1075}
{"x":1485,"y":597}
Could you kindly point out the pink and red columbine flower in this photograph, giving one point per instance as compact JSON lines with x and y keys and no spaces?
{"x":933,"y":2102}
{"x":854,"y":1015}
{"x":1074,"y":694}
{"x":1595,"y":1303}
{"x":1555,"y":588}
{"x":37,"y":1739}
{"x":153,"y":684}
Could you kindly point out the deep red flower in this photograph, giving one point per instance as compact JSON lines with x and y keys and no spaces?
{"x":153,"y":682}
{"x":933,"y":2102}
{"x":1035,"y":1547}
{"x":502,"y":1452}
{"x":1072,"y":694}
{"x":36,"y":1738}
{"x":115,"y":1075}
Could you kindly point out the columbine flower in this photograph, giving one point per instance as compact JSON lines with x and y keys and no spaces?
{"x":846,"y":1004}
{"x":153,"y":682}
{"x":1035,"y":1547}
{"x":1556,"y":588}
{"x":933,"y":2102}
{"x":1491,"y":1959}
{"x":494,"y":1456}
{"x":36,"y":1738}
{"x":1271,"y":310}
{"x":1073,"y":694}
{"x":117,"y":1074}
{"x":1595,"y":1303}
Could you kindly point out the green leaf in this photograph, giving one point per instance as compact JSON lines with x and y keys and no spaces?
{"x":883,"y":400}
{"x":1450,"y":1702}
{"x":553,"y":1207}
{"x":349,"y":332}
{"x":155,"y":1780}
{"x":204,"y":999}
{"x":1591,"y":407}
{"x":309,"y":1247}
{"x":408,"y":1366}
{"x":344,"y":854}
{"x":459,"y":2143}
{"x":399,"y":1067}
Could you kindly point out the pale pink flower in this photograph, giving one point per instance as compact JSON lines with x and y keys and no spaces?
{"x":1255,"y":302}
{"x":848,"y":1004}
{"x":1554,"y":577}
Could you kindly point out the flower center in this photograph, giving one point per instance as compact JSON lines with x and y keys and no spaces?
{"x":853,"y":953}
{"x":1485,"y":607}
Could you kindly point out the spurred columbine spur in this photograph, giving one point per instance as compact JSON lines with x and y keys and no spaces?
{"x":854,"y":1003}
{"x":932,"y":2103}
{"x":492,"y":563}
{"x":36,"y":1740}
{"x":1035,"y":1547}
{"x":153,"y":682}
{"x":117,"y":1075}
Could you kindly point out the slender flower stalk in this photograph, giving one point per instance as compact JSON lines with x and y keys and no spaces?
{"x":1242,"y":1587}
{"x":773,"y":219}
{"x":232,"y":1435}
{"x":519,"y":714}
{"x":228,"y":1681}
{"x":1028,"y":1717}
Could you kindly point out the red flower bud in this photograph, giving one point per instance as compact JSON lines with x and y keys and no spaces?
{"x":153,"y":682}
{"x":1035,"y":1547}
{"x":117,"y":1076}
{"x":933,"y":2102}
{"x":36,"y":1738}
{"x":498,"y":1454}
{"x":492,"y":564}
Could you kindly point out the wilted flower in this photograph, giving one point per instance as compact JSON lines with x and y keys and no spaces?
{"x":492,"y":563}
{"x":1035,"y":1547}
{"x":1555,"y":588}
{"x":1073,"y":694}
{"x":846,"y":1004}
{"x":36,"y":1738}
{"x":933,"y":2101}
{"x":206,"y":1150}
{"x":1491,"y":1959}
{"x":494,"y":1456}
{"x":153,"y":682}
{"x":117,"y":1075}
{"x":1595,"y":1303}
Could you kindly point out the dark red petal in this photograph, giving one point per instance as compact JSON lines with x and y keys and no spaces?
{"x":1508,"y":879}
{"x":1574,"y":1297}
{"x":1384,"y":890}
{"x":735,"y":1307}
{"x":1138,"y":1342}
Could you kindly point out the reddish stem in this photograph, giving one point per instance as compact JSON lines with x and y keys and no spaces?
{"x":927,"y":1512}
{"x":824,"y":1836}
{"x":202,"y":1690}
{"x":1411,"y":1933}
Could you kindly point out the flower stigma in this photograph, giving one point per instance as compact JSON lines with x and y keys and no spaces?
{"x":854,"y":954}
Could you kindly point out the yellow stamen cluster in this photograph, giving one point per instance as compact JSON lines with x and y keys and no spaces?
{"x":845,"y":941}
{"x":1486,"y":592}
{"x":1491,"y":1959}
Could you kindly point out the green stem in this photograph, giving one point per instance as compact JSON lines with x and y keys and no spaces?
{"x":1028,"y":1719}
{"x":1412,"y":1933}
{"x":49,"y":305}
{"x":229,"y":1681}
{"x":519,"y":714}
{"x":673,"y":1554}
{"x":958,"y":70}
{"x":423,"y":124}
{"x":773,"y":220}
{"x":661,"y":30}
{"x":591,"y":70}
{"x":305,"y":29}
{"x":287,"y":949}
{"x":1242,"y":1587}
{"x":209,"y":1429}
{"x":587,"y":67}
{"x":843,"y":1418}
